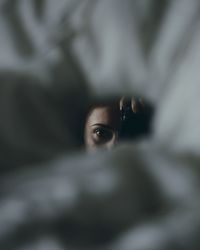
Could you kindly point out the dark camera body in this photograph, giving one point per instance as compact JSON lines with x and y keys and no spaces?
{"x":136,"y":122}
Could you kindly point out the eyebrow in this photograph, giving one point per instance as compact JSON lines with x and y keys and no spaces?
{"x":103,"y":125}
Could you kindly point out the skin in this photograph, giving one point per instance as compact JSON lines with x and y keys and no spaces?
{"x":102,"y":126}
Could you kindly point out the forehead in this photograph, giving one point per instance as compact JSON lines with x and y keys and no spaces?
{"x":106,"y":114}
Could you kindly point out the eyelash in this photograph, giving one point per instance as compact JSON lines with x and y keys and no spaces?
{"x":104,"y":136}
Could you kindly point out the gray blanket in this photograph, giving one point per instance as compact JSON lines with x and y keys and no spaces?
{"x":55,"y":56}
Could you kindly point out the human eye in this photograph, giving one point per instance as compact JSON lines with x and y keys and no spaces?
{"x":102,"y":135}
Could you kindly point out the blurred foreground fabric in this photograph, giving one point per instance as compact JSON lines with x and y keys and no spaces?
{"x":56,"y":56}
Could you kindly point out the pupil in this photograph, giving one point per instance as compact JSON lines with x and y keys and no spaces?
{"x":103,"y":134}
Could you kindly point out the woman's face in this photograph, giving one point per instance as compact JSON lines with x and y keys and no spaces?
{"x":102,"y":126}
{"x":124,"y":119}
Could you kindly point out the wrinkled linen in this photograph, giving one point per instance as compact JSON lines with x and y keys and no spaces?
{"x":55,"y":56}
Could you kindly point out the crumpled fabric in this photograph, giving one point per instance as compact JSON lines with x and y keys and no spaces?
{"x":55,"y":57}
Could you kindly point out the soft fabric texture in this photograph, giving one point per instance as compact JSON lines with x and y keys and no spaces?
{"x":56,"y":56}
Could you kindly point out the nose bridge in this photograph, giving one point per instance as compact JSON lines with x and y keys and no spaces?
{"x":113,"y":141}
